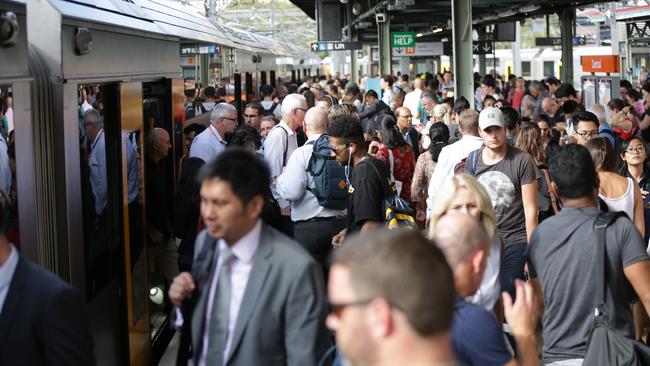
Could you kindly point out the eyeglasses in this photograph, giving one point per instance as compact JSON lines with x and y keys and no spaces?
{"x":337,"y":149}
{"x":301,"y":109}
{"x":636,"y":150}
{"x":588,"y":134}
{"x":337,"y":309}
{"x":230,"y":119}
{"x":407,"y":117}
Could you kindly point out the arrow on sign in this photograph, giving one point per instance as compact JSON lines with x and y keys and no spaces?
{"x":314,"y":46}
{"x":487,"y":49}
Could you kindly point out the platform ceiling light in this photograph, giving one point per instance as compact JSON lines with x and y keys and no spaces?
{"x":356,"y":8}
{"x":343,"y":1}
{"x":436,"y":30}
{"x":419,"y":35}
{"x":529,"y":8}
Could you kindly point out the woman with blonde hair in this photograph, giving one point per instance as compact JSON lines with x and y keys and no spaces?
{"x":463,"y":193}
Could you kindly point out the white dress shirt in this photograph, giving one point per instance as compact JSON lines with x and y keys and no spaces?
{"x":207,"y":145}
{"x":97,"y":164}
{"x":240,"y":269}
{"x":293,"y":183}
{"x":449,"y":157}
{"x":7,"y":271}
{"x":275,"y":145}
{"x":411,"y":101}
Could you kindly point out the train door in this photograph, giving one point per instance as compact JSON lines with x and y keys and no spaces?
{"x":162,"y":131}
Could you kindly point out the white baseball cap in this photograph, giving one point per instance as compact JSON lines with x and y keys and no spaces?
{"x":489,"y":117}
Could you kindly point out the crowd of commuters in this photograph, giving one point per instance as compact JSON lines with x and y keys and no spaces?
{"x":284,"y":255}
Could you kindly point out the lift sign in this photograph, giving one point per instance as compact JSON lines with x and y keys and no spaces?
{"x":403,"y":39}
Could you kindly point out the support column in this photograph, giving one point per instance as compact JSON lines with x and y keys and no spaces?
{"x":204,"y":70}
{"x":385,"y":52}
{"x":516,"y":50}
{"x":461,"y":15}
{"x":482,"y":35}
{"x":567,"y":20}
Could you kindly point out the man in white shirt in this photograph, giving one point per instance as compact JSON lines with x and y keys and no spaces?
{"x":211,"y":142}
{"x":313,"y":225}
{"x":97,"y":160}
{"x":281,"y":141}
{"x":412,"y":99}
{"x":255,"y":297}
{"x":452,"y":154}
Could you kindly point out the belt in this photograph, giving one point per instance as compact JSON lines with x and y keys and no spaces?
{"x":317,"y":219}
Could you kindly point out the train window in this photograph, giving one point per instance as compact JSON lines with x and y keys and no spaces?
{"x":525,"y":68}
{"x":8,"y":162}
{"x":549,"y":68}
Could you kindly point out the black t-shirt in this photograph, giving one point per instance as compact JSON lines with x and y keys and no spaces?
{"x":368,"y":193}
{"x":158,"y":197}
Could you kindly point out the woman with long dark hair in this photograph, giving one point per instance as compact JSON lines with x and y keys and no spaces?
{"x":529,"y":139}
{"x":634,"y":156}
{"x":394,"y":147}
{"x":439,"y":134}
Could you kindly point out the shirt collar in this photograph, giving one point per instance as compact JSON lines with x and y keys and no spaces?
{"x":284,"y":125}
{"x":471,"y":137}
{"x":9,"y":267}
{"x":245,"y":248}
{"x":216,"y":133}
{"x":314,"y":137}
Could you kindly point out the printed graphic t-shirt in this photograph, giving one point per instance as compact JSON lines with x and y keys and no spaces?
{"x":503,"y":182}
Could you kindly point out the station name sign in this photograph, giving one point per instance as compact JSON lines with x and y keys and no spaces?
{"x":403,"y":39}
{"x":335,"y":46}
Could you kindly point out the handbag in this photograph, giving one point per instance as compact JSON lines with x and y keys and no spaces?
{"x":398,"y":213}
{"x":606,"y":347}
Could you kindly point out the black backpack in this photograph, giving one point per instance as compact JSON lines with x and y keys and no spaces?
{"x":270,"y":111}
{"x":329,"y":176}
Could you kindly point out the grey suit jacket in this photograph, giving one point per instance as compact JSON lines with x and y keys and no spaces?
{"x":282,"y":316}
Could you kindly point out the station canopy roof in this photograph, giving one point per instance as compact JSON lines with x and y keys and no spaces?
{"x":432,"y":18}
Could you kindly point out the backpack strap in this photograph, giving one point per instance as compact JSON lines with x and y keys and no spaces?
{"x":388,"y":192}
{"x":472,"y":161}
{"x":603,"y":220}
{"x":286,"y":145}
{"x":550,"y":191}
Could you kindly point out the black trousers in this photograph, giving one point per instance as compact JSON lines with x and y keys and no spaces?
{"x":316,"y":237}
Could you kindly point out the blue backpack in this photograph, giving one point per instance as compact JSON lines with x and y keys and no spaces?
{"x":330,"y":188}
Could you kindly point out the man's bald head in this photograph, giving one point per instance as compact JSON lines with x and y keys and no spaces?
{"x":458,"y":235}
{"x":549,"y":106}
{"x":315,"y":121}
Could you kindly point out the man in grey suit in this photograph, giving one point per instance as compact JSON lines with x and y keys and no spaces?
{"x":257,"y":298}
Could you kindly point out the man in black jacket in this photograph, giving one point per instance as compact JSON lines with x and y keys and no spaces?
{"x":42,"y":318}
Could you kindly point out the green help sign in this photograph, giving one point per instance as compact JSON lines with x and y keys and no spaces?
{"x":403,"y":39}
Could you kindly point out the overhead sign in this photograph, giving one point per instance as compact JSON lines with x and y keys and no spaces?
{"x":403,"y":39}
{"x":420,"y":49}
{"x":557,"y":41}
{"x":335,"y":46}
{"x":482,"y":47}
{"x":201,"y":50}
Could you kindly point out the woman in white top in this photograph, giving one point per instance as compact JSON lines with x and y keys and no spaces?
{"x":463,"y":193}
{"x":620,"y":194}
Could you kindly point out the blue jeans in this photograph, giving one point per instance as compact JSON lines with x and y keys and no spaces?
{"x":512,"y":267}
